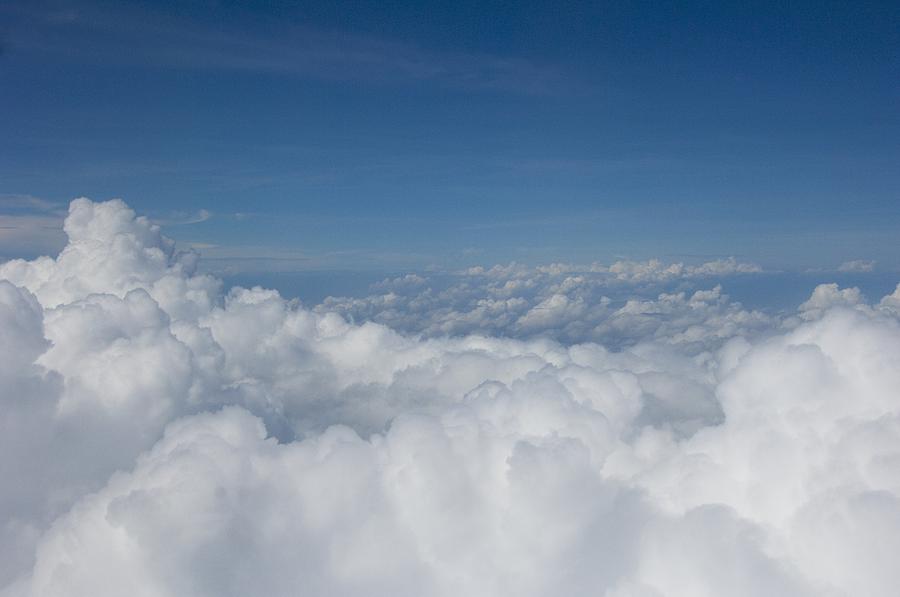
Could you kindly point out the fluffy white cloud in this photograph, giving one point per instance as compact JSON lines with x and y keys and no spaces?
{"x":827,"y":296}
{"x":619,"y":305}
{"x":110,"y":251}
{"x":162,"y":438}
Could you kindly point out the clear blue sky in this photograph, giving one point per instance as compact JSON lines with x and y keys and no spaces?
{"x":379,"y":134}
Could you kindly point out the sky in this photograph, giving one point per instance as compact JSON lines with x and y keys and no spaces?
{"x":431,"y":300}
{"x":401,"y":136}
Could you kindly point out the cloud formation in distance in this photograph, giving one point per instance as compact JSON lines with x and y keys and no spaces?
{"x":169,"y":438}
{"x":617,"y":305}
{"x":857,"y":265}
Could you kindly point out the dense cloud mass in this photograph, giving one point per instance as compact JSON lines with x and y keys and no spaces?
{"x":518,"y":432}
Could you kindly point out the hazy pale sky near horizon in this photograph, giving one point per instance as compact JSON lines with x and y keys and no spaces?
{"x":391,"y":135}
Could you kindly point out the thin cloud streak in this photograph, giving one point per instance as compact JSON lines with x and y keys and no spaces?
{"x":153,"y":39}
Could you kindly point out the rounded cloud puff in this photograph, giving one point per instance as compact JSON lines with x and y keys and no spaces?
{"x":168,"y":439}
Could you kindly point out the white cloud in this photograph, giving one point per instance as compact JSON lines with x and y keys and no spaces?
{"x":565,"y":302}
{"x":168,"y":439}
{"x":828,"y":296}
{"x":185,"y":219}
{"x":858,"y":265}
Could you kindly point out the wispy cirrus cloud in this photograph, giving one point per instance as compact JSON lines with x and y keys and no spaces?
{"x":152,"y":38}
{"x":184,"y":219}
{"x":18,"y":202}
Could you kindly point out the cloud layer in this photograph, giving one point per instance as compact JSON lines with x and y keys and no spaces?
{"x":163,"y":437}
{"x":617,"y":305}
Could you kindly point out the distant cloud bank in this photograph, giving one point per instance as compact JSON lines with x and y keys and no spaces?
{"x":858,"y":265}
{"x":566,"y":302}
{"x":514,"y":431}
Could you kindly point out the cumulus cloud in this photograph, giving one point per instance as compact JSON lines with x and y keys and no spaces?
{"x":618,"y":305}
{"x":167,"y":437}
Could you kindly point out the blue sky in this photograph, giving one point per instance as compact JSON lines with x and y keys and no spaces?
{"x":391,"y":136}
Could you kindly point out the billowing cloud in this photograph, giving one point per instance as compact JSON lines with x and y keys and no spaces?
{"x":166,"y":437}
